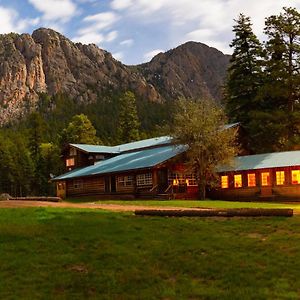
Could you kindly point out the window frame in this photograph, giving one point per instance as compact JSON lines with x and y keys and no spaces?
{"x":235,"y":181}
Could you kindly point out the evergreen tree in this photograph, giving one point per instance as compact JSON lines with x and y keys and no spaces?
{"x":128,"y":123}
{"x":80,"y":131}
{"x":276,"y":125}
{"x":244,"y":73}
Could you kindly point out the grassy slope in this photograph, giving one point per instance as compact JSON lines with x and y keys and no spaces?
{"x":76,"y":254}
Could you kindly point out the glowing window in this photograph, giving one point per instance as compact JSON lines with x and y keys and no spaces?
{"x":265,"y":179}
{"x":295,"y":176}
{"x":251,"y":180}
{"x":224,"y":182}
{"x":70,"y":162}
{"x":280,"y":177}
{"x":238,"y":181}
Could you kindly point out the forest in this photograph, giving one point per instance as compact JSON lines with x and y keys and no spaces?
{"x":261,"y":92}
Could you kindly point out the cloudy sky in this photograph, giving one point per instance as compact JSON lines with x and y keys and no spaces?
{"x":135,"y":30}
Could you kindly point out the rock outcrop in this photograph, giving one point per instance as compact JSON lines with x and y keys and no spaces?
{"x":48,"y":62}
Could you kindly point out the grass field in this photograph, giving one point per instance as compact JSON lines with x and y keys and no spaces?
{"x":192,"y":203}
{"x":49,"y":253}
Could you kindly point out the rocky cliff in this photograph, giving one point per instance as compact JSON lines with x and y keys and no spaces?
{"x":48,"y":62}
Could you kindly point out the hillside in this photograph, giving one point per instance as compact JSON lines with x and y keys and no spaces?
{"x":47,"y":62}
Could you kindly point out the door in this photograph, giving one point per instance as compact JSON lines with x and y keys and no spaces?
{"x":162,"y":180}
{"x":61,"y":189}
{"x":113,"y":184}
{"x":266,"y":187}
{"x":107,"y":185}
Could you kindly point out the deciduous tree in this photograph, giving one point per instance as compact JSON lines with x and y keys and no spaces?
{"x":200,"y":126}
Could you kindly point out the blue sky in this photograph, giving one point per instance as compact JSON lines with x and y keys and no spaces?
{"x":135,"y":30}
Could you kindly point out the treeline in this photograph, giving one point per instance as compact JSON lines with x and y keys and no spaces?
{"x":30,"y":151}
{"x":263,"y":84}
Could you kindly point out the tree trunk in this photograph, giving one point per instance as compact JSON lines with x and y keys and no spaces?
{"x":202,"y":190}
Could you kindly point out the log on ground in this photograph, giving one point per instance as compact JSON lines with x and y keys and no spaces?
{"x":36,"y":198}
{"x":242,"y":212}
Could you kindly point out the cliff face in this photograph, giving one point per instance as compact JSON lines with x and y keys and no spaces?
{"x":47,"y":62}
{"x":192,"y":70}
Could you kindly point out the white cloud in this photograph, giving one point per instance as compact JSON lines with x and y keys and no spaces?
{"x":151,"y":54}
{"x":59,"y":10}
{"x":89,"y":38}
{"x":121,"y":4}
{"x":118,"y":55}
{"x":10,"y":21}
{"x":111,"y":36}
{"x":99,"y":21}
{"x":128,"y":42}
{"x":93,"y":33}
{"x":207,"y":21}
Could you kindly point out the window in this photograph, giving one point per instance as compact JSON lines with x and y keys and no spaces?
{"x":70,"y":162}
{"x":238,"y":181}
{"x":182,"y":179}
{"x":251,"y":180}
{"x":73,"y":151}
{"x":125,"y":180}
{"x":190,"y":179}
{"x":224,"y":182}
{"x":144,"y":179}
{"x":295,"y":176}
{"x":78,"y":184}
{"x":280,"y":177}
{"x":265,"y":179}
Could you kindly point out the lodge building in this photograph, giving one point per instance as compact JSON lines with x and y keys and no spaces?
{"x":155,"y":168}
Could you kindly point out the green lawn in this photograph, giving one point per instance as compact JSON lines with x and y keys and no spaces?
{"x":192,"y":203}
{"x":49,"y":253}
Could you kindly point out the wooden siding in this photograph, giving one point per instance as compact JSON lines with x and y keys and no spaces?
{"x":85,"y":186}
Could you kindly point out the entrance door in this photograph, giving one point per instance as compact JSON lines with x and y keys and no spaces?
{"x":107,"y":184}
{"x":113,"y":184}
{"x":162,"y":180}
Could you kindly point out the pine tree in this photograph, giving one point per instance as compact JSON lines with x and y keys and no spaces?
{"x":80,"y":131}
{"x":128,"y":123}
{"x":276,"y":126}
{"x":244,"y":73}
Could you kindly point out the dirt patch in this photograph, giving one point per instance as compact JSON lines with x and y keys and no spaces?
{"x":79,"y":269}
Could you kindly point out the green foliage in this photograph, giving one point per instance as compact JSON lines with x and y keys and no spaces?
{"x":199,"y":125}
{"x":262,"y":92}
{"x":244,"y":72}
{"x":80,"y":131}
{"x":128,"y":121}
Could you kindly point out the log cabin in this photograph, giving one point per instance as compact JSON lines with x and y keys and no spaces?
{"x":143,"y":169}
{"x":154,"y":168}
{"x":269,"y":176}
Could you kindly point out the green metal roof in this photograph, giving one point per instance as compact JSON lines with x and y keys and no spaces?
{"x":158,"y":141}
{"x":264,"y":161}
{"x":128,"y":161}
{"x":95,"y":148}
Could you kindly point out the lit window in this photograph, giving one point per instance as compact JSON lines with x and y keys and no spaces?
{"x":144,"y":179}
{"x":280,"y":177}
{"x":224,"y":182}
{"x":295,"y":176}
{"x":265,"y":179}
{"x":190,"y":179}
{"x":238,"y":181}
{"x":70,"y":162}
{"x":251,"y":180}
{"x":125,"y":180}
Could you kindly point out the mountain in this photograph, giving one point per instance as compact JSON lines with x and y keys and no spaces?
{"x":192,"y":70}
{"x":47,"y":62}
